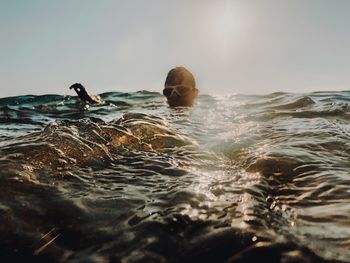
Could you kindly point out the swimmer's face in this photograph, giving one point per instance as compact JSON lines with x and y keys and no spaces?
{"x":180,"y":87}
{"x":180,"y":95}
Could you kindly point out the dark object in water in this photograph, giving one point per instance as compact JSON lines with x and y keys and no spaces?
{"x":83,"y":95}
{"x":180,"y":87}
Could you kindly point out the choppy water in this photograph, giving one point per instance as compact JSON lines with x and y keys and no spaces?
{"x":234,"y":179}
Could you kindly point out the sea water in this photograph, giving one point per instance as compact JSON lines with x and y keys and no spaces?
{"x":236,"y":178}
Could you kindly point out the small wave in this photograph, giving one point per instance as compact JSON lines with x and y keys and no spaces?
{"x":335,"y":113}
{"x":30,"y":100}
{"x":299,"y":103}
{"x":85,"y":142}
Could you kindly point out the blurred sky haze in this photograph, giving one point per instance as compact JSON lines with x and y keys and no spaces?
{"x":238,"y":46}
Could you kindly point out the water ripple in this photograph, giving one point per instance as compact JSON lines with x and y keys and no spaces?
{"x":235,"y":178}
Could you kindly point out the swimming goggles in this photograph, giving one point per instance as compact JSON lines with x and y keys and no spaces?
{"x":179,"y":90}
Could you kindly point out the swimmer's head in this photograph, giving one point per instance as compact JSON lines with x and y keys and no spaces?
{"x":180,"y":87}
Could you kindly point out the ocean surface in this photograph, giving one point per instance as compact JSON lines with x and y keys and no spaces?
{"x":236,"y":178}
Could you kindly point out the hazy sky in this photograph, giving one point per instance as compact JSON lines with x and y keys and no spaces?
{"x":238,"y":46}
